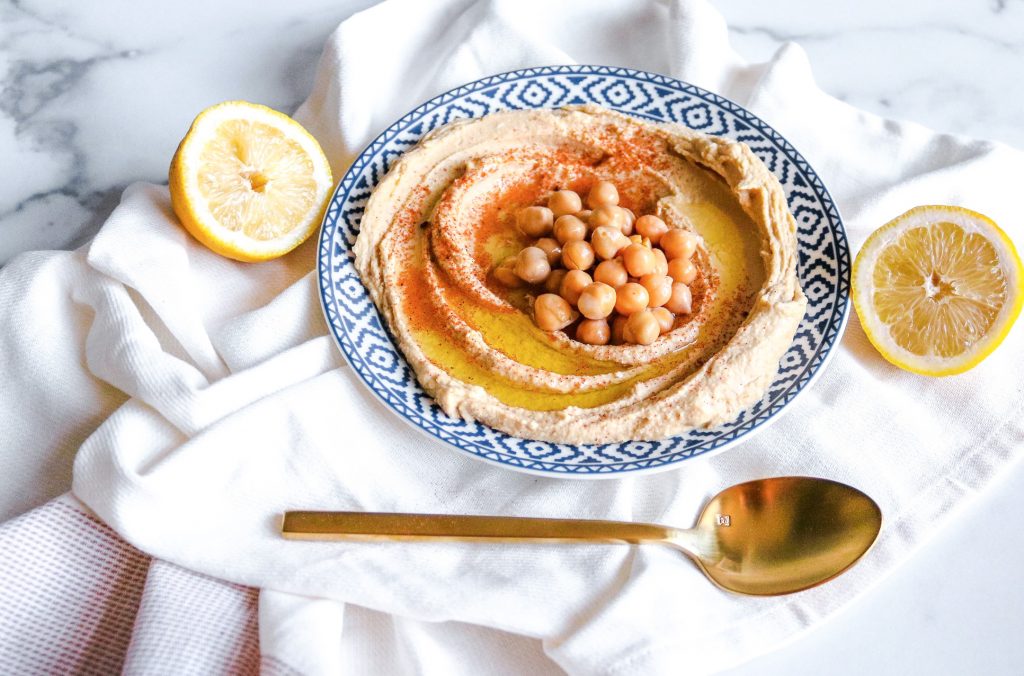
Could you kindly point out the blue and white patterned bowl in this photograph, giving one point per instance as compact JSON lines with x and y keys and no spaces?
{"x":823,"y":269}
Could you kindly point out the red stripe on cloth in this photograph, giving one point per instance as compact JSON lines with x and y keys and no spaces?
{"x":75,"y":598}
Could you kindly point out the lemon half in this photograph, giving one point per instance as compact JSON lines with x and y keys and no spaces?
{"x":937,"y":289}
{"x":249,"y":182}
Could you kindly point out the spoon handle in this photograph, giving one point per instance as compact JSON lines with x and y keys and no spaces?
{"x":393,"y":526}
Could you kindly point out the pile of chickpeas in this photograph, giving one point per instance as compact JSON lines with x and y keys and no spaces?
{"x":628,"y":277}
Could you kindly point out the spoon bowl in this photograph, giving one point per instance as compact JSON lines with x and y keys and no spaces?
{"x":781,"y":535}
{"x":763,"y":537}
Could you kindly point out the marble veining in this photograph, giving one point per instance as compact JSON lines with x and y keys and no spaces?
{"x":44,"y":166}
{"x":94,"y":96}
{"x":948,"y":65}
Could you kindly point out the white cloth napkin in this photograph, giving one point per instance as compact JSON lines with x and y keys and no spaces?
{"x":210,"y":398}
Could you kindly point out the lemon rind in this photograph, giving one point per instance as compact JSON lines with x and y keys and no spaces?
{"x":195,"y":215}
{"x":875,"y":329}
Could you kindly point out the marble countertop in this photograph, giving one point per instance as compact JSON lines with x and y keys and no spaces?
{"x":97,"y":95}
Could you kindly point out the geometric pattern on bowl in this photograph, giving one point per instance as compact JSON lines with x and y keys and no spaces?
{"x":823,"y":267}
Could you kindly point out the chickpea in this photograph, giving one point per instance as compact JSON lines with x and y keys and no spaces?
{"x":613,"y":273}
{"x":597,"y":301}
{"x":578,"y":255}
{"x":651,"y":227}
{"x":660,"y":262}
{"x":679,"y":243}
{"x":573,"y":284}
{"x":659,"y":288}
{"x":551,"y":248}
{"x":627,"y":224}
{"x":554,"y":281}
{"x":630,"y":298}
{"x":594,"y":332}
{"x":681,"y":300}
{"x":603,"y":192}
{"x":630,"y":217}
{"x":639,"y":260}
{"x":619,"y":330}
{"x":613,"y":216}
{"x":564,"y":202}
{"x":608,"y":241}
{"x":682,"y":270}
{"x":532,"y":265}
{"x":665,"y":319}
{"x":643,"y":327}
{"x":506,"y":275}
{"x":535,"y":221}
{"x":569,"y":229}
{"x":627,"y":333}
{"x":551,"y":312}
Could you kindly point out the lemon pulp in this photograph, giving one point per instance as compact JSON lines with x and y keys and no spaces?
{"x":939,"y":289}
{"x":256,"y":180}
{"x":249,"y":182}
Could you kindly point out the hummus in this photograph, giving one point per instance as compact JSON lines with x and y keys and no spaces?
{"x":443,"y":218}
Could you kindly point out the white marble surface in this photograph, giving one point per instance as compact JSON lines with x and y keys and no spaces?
{"x":96,"y":95}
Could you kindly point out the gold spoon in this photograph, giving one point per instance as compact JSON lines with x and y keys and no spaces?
{"x":764,"y":537}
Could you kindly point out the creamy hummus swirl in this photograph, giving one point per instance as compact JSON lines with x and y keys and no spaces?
{"x":444,"y":216}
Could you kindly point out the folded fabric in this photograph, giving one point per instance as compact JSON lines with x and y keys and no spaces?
{"x":76,"y":598}
{"x":210,"y":398}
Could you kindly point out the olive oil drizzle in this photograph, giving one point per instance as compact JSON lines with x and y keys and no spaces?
{"x":730,"y":239}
